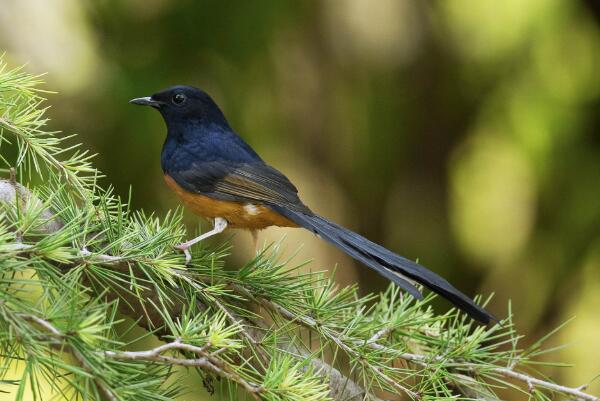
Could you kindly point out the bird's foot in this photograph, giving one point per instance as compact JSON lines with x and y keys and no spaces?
{"x":185,"y":247}
{"x":220,"y":225}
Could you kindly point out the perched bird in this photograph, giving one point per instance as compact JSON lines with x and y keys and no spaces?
{"x":220,"y":177}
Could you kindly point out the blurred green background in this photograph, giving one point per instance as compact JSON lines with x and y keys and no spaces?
{"x":463,"y":133}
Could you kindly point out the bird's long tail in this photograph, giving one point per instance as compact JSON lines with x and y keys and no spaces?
{"x":400,"y":270}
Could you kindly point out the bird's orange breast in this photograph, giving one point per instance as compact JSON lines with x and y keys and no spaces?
{"x":238,"y":214}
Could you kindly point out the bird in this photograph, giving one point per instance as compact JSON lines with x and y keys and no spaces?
{"x":219,"y":177}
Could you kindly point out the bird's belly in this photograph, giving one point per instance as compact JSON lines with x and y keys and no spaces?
{"x":238,"y":214}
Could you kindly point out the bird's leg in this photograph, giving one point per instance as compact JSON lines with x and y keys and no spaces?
{"x":254,"y":234}
{"x":220,"y":224}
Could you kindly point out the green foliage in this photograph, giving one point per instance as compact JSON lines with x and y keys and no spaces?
{"x":74,"y":260}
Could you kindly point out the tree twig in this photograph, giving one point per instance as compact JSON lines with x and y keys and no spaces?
{"x":381,"y":333}
{"x":533,"y":382}
{"x":58,"y":335}
{"x":205,"y":362}
{"x":306,"y":321}
{"x":310,"y":322}
{"x":229,"y":314}
{"x":339,"y":384}
{"x":420,"y":360}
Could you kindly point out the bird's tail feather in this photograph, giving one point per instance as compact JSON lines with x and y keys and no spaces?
{"x":394,"y":267}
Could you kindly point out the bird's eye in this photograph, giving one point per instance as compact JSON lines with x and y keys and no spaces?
{"x":179,"y":99}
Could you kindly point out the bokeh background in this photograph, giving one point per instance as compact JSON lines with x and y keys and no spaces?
{"x":464,"y":133}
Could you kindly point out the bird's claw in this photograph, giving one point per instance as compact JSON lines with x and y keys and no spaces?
{"x":186,"y":251}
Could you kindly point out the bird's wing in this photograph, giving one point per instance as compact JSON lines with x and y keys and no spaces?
{"x":240,"y":182}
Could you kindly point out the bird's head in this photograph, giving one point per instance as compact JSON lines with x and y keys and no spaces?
{"x":182,"y":104}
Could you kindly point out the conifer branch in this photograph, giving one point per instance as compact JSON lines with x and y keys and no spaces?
{"x":275,"y":333}
{"x":421,"y":360}
{"x":155,"y":354}
{"x":60,"y":341}
{"x":206,"y":361}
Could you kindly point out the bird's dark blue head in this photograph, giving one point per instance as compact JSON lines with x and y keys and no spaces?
{"x":196,"y":129}
{"x":184,"y":105}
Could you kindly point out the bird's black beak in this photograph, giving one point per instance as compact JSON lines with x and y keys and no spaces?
{"x":146,"y":101}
